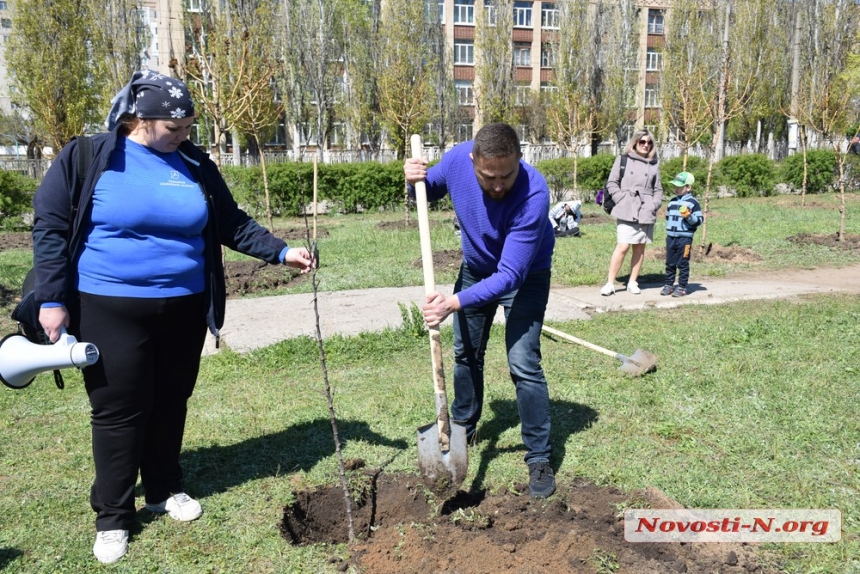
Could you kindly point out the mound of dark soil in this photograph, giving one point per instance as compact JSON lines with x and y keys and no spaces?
{"x":399,"y":529}
{"x":850,"y":241}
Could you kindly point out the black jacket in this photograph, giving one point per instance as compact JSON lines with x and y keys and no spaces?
{"x":56,"y":250}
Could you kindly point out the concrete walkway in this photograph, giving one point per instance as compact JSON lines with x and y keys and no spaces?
{"x":259,"y":322}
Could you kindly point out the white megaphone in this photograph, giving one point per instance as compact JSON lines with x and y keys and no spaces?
{"x":21,"y":360}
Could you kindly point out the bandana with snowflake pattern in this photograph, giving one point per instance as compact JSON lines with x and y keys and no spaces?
{"x":150,"y":95}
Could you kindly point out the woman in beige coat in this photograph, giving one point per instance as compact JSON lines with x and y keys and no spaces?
{"x":637,"y":195}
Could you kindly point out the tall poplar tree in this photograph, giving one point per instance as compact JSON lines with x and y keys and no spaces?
{"x":55,"y":56}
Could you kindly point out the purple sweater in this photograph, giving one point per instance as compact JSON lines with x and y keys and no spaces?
{"x":503,"y":240}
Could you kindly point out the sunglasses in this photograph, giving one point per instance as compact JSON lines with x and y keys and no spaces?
{"x":646,"y":142}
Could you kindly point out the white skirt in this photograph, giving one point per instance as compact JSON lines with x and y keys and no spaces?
{"x":632,"y":233}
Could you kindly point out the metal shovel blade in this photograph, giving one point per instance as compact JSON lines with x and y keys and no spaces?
{"x":443,"y":465}
{"x":638,"y":363}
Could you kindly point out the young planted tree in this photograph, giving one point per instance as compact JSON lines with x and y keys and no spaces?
{"x":736,"y":80}
{"x":826,"y":89}
{"x":54,"y":63}
{"x":494,"y":63}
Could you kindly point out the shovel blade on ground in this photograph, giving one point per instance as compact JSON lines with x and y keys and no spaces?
{"x":639,"y":363}
{"x":443,"y":471}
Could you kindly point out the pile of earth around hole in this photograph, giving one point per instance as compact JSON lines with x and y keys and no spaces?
{"x":401,"y":528}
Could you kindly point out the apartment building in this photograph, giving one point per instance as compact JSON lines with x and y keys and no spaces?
{"x":536,"y":22}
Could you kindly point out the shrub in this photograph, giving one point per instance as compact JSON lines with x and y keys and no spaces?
{"x":698,"y":166}
{"x":16,"y":199}
{"x":592,"y":173}
{"x":558,"y":174}
{"x":820,"y":170}
{"x":750,"y":174}
{"x":348,"y":187}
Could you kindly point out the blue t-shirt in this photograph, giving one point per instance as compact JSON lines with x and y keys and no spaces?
{"x":145,"y":238}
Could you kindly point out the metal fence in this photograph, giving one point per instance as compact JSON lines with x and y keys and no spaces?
{"x":35,"y":168}
{"x":532,"y":153}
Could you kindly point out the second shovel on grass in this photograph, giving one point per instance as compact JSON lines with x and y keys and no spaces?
{"x":443,"y":457}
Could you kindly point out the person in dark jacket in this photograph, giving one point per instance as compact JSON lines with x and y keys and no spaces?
{"x":135,"y":268}
{"x":638,"y":193}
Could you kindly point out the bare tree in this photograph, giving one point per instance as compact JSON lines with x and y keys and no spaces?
{"x":404,"y":86}
{"x":254,"y":108}
{"x":119,"y":38}
{"x":587,"y":97}
{"x":313,"y":54}
{"x":359,"y":102}
{"x":207,"y":68}
{"x":690,"y":60}
{"x":494,"y":62}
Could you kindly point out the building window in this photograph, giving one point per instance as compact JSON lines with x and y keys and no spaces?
{"x":655,"y":22}
{"x":464,"y":52}
{"x":490,"y":11}
{"x":5,"y":23}
{"x":522,"y":54}
{"x":193,"y":5}
{"x":547,"y":88}
{"x":652,"y":96}
{"x":3,"y":6}
{"x":441,"y":11}
{"x":522,"y":14}
{"x":653,"y":60}
{"x":464,"y":132}
{"x":522,"y":95}
{"x":548,"y":15}
{"x":464,"y":12}
{"x":547,"y":55}
{"x":465,"y":94}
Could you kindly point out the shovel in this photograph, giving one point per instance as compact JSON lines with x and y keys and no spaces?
{"x":442,"y":452}
{"x":635,"y":365}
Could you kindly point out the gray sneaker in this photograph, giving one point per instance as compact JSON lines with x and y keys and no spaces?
{"x":679,"y":291}
{"x":667,"y":290}
{"x":541,"y":480}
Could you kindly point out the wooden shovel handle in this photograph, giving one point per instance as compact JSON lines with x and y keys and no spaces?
{"x":430,"y":287}
{"x":585,"y":344}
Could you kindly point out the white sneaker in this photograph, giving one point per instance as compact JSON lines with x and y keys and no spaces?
{"x":633,"y":287}
{"x":111,"y":545}
{"x":607,"y":290}
{"x":180,"y":506}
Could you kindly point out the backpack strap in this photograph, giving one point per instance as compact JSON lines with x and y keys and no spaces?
{"x":622,"y":167}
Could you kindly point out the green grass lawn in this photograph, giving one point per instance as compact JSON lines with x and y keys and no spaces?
{"x":754,"y":405}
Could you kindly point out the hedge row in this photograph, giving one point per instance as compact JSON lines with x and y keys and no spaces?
{"x":744,"y":175}
{"x":350,"y":188}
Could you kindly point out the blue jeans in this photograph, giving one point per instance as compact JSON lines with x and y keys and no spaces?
{"x":524,"y":313}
